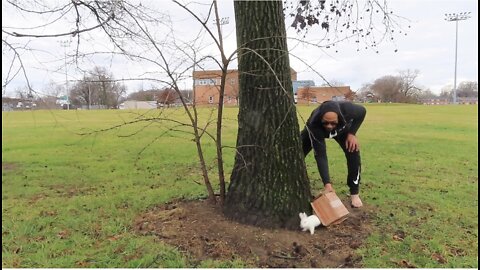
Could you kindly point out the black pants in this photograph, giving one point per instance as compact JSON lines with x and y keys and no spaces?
{"x":353,"y":159}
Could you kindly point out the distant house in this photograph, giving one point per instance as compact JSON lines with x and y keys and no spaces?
{"x":301,"y":83}
{"x":467,"y":100}
{"x":135,"y":104}
{"x":10,"y":104}
{"x":371,"y":98}
{"x":435,"y":101}
{"x":207,"y":86}
{"x":63,"y":101}
{"x":444,"y":101}
{"x":319,"y":94}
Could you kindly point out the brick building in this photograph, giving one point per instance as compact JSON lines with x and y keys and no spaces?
{"x":319,"y":94}
{"x":207,"y":86}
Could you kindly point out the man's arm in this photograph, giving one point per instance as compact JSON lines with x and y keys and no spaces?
{"x":357,"y":114}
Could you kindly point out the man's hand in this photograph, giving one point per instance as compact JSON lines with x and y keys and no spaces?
{"x":328,"y":188}
{"x":352,"y":143}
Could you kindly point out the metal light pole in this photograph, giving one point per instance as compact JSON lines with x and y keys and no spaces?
{"x":88,"y":85}
{"x":454,"y":17}
{"x":89,"y":97}
{"x":65,"y":44}
{"x":222,"y":22}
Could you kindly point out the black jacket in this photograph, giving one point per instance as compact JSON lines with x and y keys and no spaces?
{"x":350,"y":117}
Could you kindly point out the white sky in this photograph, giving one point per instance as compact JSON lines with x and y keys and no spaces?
{"x":429,"y":47}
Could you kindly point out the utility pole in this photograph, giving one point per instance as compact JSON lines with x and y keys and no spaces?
{"x":65,"y":44}
{"x":88,"y":85}
{"x":89,"y":97}
{"x":221,"y":22}
{"x":454,"y":17}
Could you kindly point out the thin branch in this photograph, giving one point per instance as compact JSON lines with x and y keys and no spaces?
{"x":71,"y":33}
{"x":22,"y":67}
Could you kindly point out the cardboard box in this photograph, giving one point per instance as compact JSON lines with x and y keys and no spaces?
{"x":329,"y":209}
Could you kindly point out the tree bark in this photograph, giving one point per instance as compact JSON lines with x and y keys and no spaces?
{"x":269,"y":184}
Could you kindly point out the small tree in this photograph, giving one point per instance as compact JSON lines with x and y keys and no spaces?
{"x":400,"y":88}
{"x":144,"y":95}
{"x":307,"y":94}
{"x":167,"y":96}
{"x":467,"y":89}
{"x":98,"y":88}
{"x":350,"y":95}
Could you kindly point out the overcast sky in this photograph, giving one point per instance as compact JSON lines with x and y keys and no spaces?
{"x":428,"y":46}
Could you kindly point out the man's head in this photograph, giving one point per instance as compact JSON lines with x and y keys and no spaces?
{"x":330,"y":121}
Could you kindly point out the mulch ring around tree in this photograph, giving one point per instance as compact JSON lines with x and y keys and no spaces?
{"x":199,"y":229}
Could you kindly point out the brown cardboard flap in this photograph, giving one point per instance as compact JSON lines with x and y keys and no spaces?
{"x":329,"y":209}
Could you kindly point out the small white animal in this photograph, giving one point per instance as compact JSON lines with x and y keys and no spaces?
{"x":308,"y":223}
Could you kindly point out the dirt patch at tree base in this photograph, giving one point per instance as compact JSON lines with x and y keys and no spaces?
{"x":201,"y":231}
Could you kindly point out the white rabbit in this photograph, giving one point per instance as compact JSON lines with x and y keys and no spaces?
{"x":308,"y":223}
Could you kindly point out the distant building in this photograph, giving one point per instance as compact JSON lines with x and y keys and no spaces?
{"x":135,"y":104}
{"x":444,"y":101}
{"x":301,"y":83}
{"x":10,"y":104}
{"x":207,"y":86}
{"x":467,"y":100}
{"x":14,"y":104}
{"x":319,"y":94}
{"x":63,"y":101}
{"x":434,"y":101}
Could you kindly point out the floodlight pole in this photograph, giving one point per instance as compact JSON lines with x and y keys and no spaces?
{"x":65,"y":44}
{"x":88,"y":85}
{"x":454,"y":17}
{"x":222,"y":22}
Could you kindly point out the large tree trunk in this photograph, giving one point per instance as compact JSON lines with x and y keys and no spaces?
{"x":269,"y":184}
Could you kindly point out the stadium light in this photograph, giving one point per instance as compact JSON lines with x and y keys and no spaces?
{"x":455,"y":17}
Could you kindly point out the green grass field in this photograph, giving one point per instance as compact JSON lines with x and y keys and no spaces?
{"x":70,"y":200}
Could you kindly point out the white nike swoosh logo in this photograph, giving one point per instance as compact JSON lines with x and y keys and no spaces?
{"x":358,"y":177}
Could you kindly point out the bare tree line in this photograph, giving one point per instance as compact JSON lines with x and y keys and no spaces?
{"x":99,"y":89}
{"x":402,"y":88}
